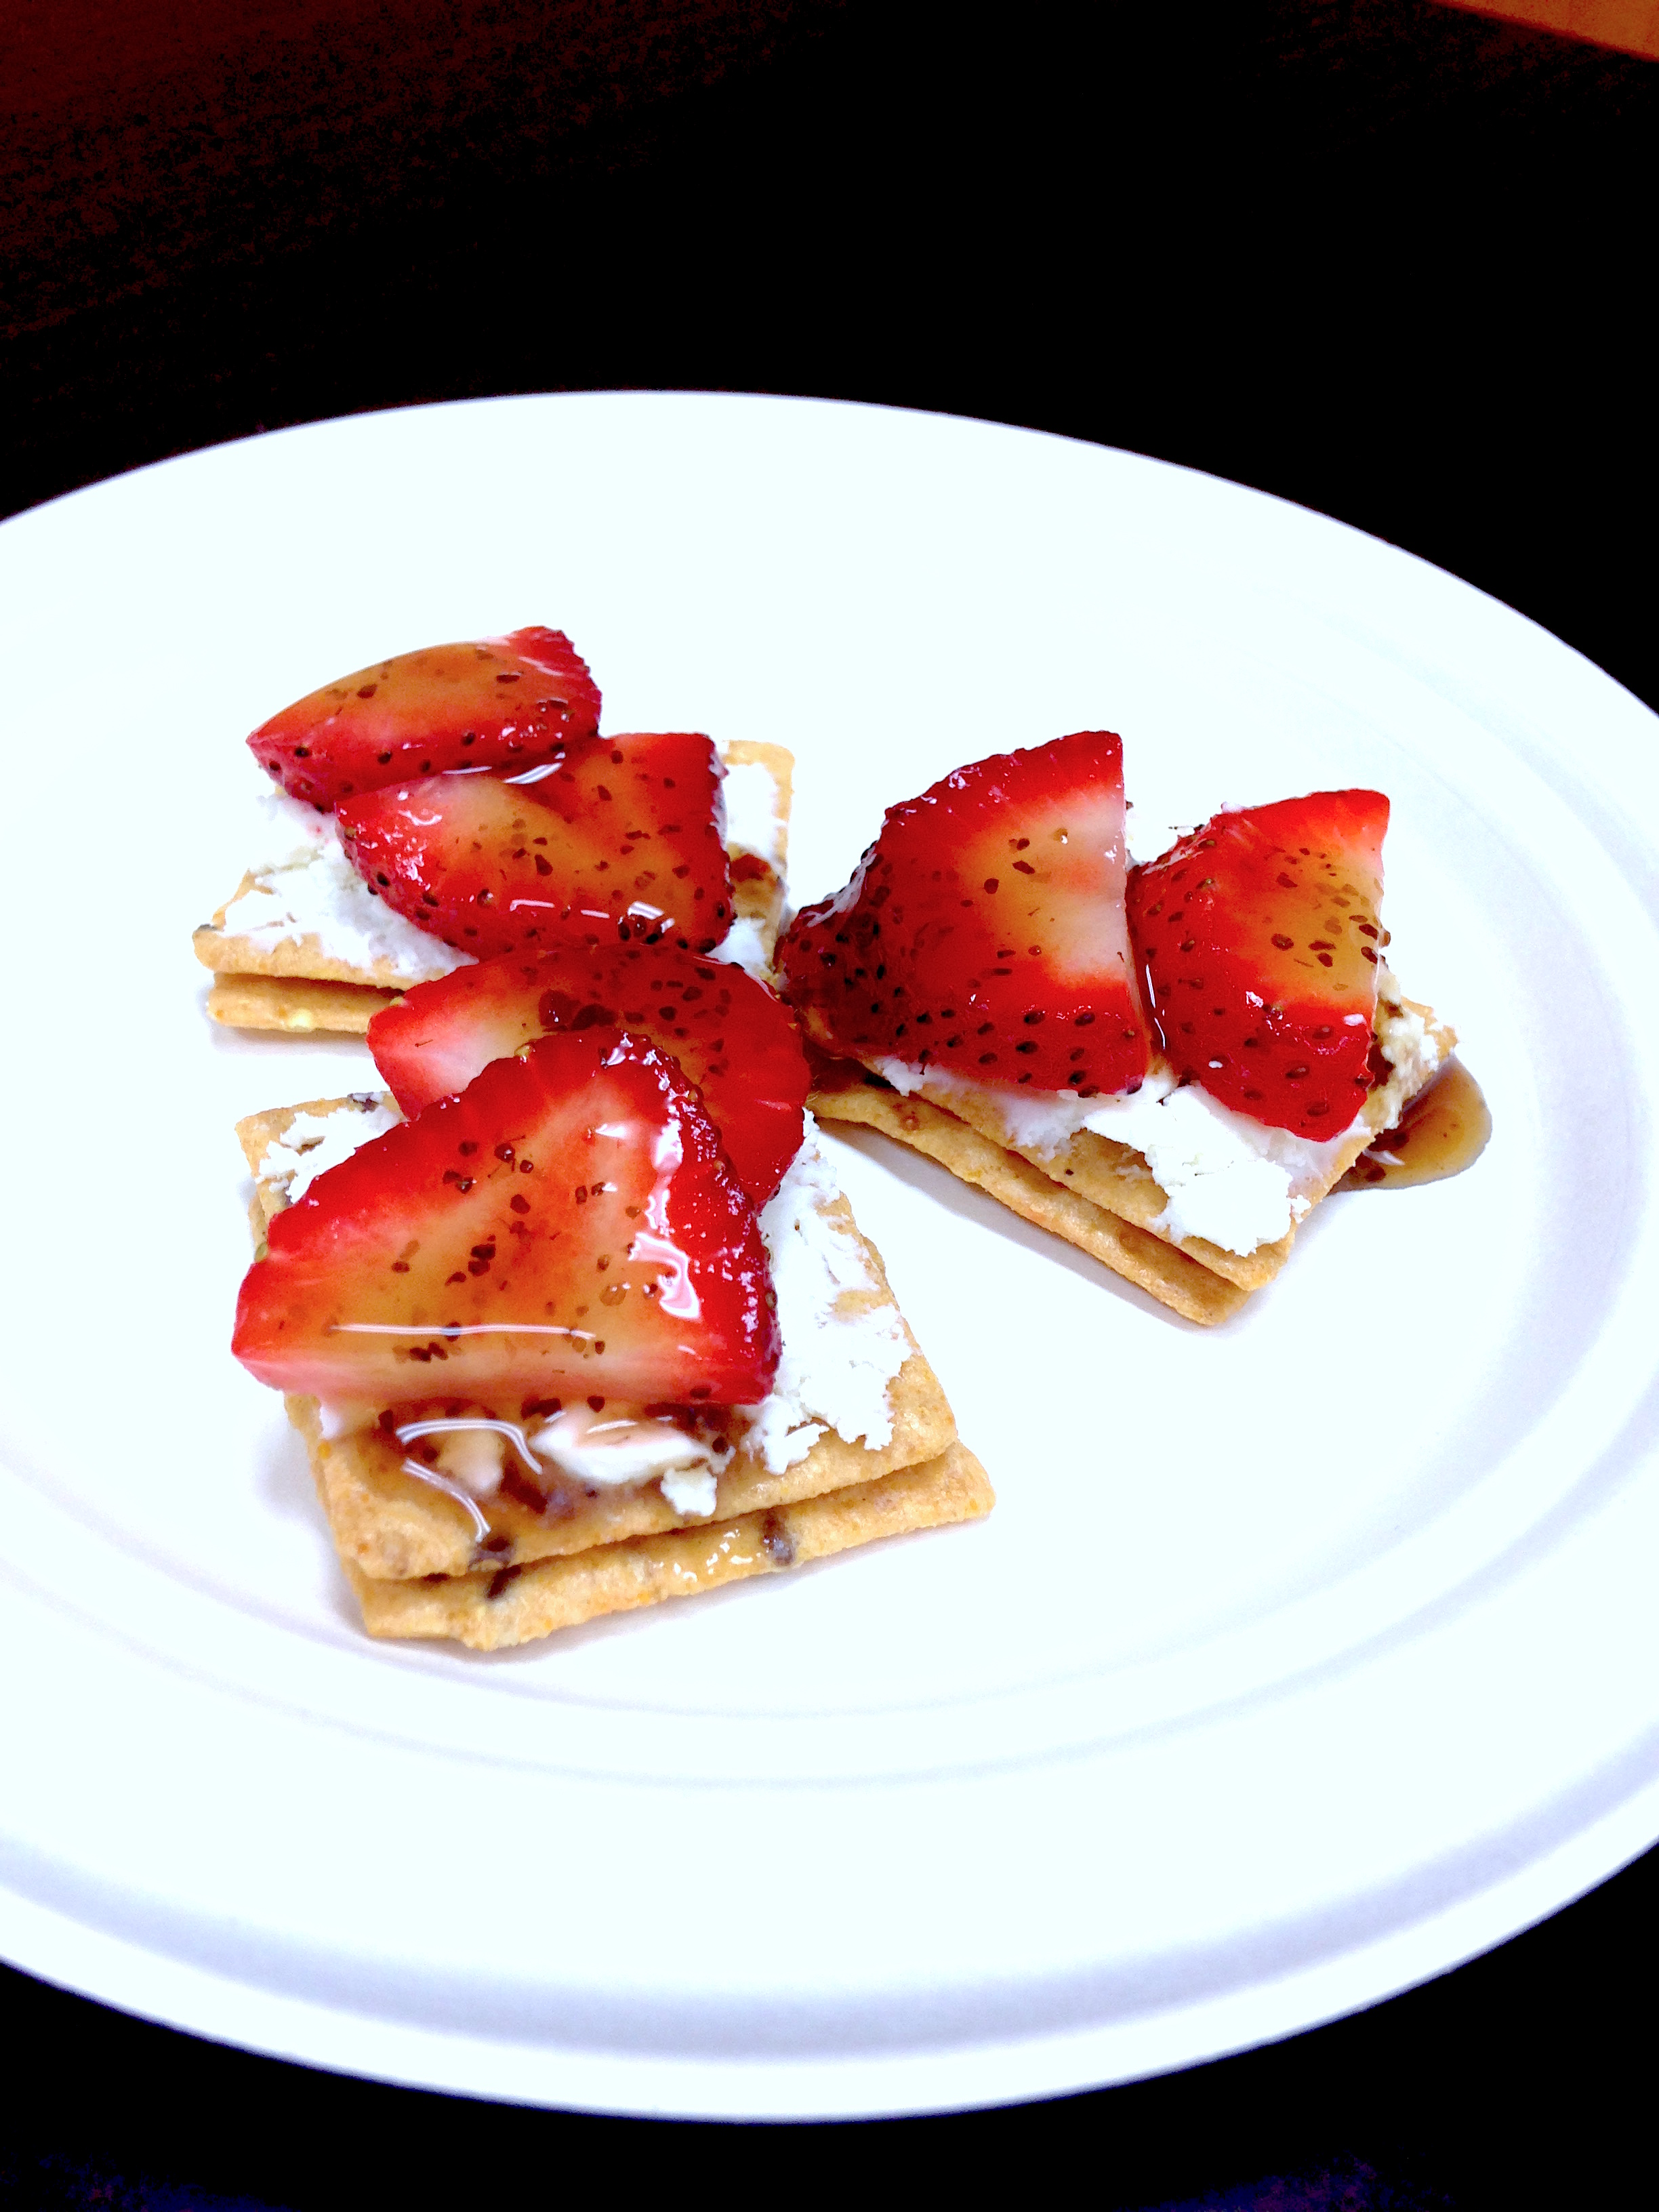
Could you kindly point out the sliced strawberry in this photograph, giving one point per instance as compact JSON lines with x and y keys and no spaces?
{"x":569,"y":1224}
{"x":984,"y":930}
{"x":729,"y":1036}
{"x":618,"y":839}
{"x":494,"y":702}
{"x":1257,"y":940}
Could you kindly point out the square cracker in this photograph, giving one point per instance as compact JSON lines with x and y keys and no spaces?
{"x":389,"y":1525}
{"x":297,"y":1003}
{"x":297,"y":987}
{"x":298,"y":959}
{"x":839,"y":1094}
{"x":515,"y":1605}
{"x":1096,"y":1194}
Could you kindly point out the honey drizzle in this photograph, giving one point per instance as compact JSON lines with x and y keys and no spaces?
{"x":1443,"y":1131}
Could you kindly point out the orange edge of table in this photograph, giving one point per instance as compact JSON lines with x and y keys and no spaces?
{"x":1632,"y":26}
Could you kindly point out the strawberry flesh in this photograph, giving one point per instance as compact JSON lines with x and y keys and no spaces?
{"x":568,"y":1224}
{"x":500,"y":702}
{"x":1257,"y":938}
{"x":984,"y":931}
{"x":617,"y":840}
{"x":729,"y":1036}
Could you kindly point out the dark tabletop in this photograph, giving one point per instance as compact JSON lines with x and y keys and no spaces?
{"x":1385,"y":259}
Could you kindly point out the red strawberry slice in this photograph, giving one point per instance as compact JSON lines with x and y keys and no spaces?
{"x":569,"y":1224}
{"x":618,"y":839}
{"x":729,"y":1036}
{"x":984,"y":930}
{"x":494,"y":702}
{"x":1257,"y":938}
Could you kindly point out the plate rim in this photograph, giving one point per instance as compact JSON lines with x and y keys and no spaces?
{"x":1613,"y":1848}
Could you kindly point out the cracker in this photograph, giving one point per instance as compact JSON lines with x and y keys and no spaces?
{"x":490,"y":1612}
{"x":303,"y":957}
{"x":296,"y":987}
{"x":1151,"y":1262}
{"x":297,"y":1003}
{"x":1096,"y":1194}
{"x":1114,"y":1179}
{"x":256,"y":1132}
{"x":390,"y":1525}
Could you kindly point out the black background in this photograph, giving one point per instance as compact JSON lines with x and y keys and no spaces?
{"x":1390,"y":260}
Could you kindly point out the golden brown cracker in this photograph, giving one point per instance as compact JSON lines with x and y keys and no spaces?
{"x":1151,"y":1262}
{"x":299,"y":1004}
{"x":1096,"y":1194}
{"x":516,"y":1605}
{"x":1109,"y":1177}
{"x":393,"y":1525}
{"x":389,"y":1523}
{"x":1114,"y":1179}
{"x":229,"y":954}
{"x":256,"y":1132}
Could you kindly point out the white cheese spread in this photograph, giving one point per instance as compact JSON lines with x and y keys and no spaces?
{"x":744,"y":947}
{"x":308,"y":888}
{"x":835,"y":1366}
{"x":344,"y":1416}
{"x":620,"y":1446}
{"x":1407,"y":1043}
{"x":475,"y":1457}
{"x":750,"y":794}
{"x":313,"y":1143}
{"x":1232,"y":1182}
{"x":692,"y":1492}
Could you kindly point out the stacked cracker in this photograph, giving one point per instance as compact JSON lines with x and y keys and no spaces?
{"x":425,"y":1561}
{"x":269,"y":978}
{"x":1095,"y":1193}
{"x":428,"y":1562}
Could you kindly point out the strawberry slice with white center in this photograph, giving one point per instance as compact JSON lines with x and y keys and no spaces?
{"x":617,"y":840}
{"x":984,"y":930}
{"x":1257,"y":938}
{"x":568,"y":1224}
{"x":500,"y":702}
{"x":729,"y":1036}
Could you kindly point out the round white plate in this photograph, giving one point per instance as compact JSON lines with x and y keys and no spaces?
{"x":1300,"y":1660}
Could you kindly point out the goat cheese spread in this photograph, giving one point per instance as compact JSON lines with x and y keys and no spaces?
{"x":313,"y":1143}
{"x":1232,"y":1182}
{"x":743,"y":947}
{"x":749,"y":793}
{"x":836,"y":1365}
{"x":308,"y":888}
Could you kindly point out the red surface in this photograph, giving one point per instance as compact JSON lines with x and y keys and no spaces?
{"x":269,"y":120}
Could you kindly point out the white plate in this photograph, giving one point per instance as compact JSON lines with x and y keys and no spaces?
{"x":1300,"y":1659}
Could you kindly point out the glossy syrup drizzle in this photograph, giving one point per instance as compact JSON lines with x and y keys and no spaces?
{"x":1443,"y":1131}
